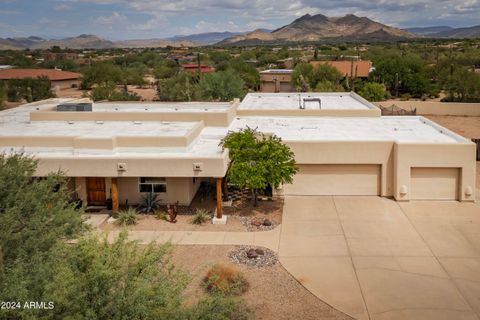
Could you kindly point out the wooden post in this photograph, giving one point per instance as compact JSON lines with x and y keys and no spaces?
{"x":225,"y":189}
{"x":219,"y":198}
{"x":114,"y":195}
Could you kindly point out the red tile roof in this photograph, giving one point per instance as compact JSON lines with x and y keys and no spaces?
{"x":361,"y":67}
{"x":52,"y":74}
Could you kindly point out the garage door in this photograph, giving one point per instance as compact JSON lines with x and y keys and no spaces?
{"x":335,"y":179}
{"x":434,"y":183}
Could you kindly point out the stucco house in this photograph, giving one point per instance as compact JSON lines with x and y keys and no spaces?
{"x":342,"y":144}
{"x":59,"y":79}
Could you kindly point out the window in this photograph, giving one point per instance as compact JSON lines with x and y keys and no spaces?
{"x":155,"y":185}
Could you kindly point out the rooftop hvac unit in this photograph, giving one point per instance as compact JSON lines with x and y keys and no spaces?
{"x":75,"y":107}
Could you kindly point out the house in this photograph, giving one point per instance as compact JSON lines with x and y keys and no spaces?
{"x":59,"y":79}
{"x":342,"y":146}
{"x":276,"y":80}
{"x":194,"y":67}
{"x":357,"y":68}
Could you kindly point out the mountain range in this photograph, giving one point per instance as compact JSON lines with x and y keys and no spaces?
{"x":306,"y":28}
{"x":319,"y":27}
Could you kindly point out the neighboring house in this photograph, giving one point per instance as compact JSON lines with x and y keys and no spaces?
{"x":357,"y":68}
{"x":60,"y":79}
{"x":276,"y":80}
{"x":194,"y":67}
{"x":342,"y":146}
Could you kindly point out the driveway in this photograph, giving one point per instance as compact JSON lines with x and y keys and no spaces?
{"x":374,"y":258}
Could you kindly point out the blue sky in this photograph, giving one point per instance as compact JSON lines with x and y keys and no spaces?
{"x":135,"y":19}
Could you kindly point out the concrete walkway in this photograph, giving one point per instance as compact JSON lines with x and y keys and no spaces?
{"x":269,"y":239}
{"x":374,"y":258}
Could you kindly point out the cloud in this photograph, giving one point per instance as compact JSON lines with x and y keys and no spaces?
{"x":62,"y":7}
{"x":112,"y":20}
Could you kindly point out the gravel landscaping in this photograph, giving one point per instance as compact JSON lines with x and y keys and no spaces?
{"x":273,"y":293}
{"x":253,"y":256}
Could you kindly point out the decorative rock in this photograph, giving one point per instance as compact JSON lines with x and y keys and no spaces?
{"x":240,"y":255}
{"x":259,"y":251}
{"x":256,"y":223}
{"x":267,"y":223}
{"x":252,"y":254}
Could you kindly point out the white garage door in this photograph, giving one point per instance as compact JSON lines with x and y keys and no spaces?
{"x":335,"y":179}
{"x":434,"y":183}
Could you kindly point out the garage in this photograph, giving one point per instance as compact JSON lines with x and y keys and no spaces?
{"x":434,"y":183}
{"x":336,"y":179}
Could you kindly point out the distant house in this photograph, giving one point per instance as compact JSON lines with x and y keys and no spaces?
{"x":357,"y":68}
{"x":60,"y":79}
{"x":276,"y":80}
{"x":194,"y":67}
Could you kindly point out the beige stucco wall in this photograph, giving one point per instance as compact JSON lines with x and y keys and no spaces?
{"x":64,"y":84}
{"x":436,"y":107}
{"x":311,"y":112}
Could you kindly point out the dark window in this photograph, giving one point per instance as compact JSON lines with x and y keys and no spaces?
{"x":156,"y":185}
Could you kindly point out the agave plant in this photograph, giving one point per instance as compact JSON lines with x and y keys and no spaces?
{"x":150,"y":203}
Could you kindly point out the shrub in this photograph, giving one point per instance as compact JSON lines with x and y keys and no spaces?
{"x":225,"y":280}
{"x":161,"y":215}
{"x":150,"y":203}
{"x":127,"y":217}
{"x":373,"y":91}
{"x":200,"y":216}
{"x":221,"y":308}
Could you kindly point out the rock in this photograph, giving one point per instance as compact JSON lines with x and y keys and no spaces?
{"x":267,"y":223}
{"x":252,"y":254}
{"x":259,"y":251}
{"x":256,"y":223}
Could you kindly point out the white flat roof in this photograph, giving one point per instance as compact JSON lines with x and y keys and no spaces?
{"x":401,"y":129}
{"x":292,"y":101}
{"x":161,"y":107}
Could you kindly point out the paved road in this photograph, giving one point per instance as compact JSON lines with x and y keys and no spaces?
{"x":374,"y":258}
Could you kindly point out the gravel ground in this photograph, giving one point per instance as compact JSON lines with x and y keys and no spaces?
{"x":274,"y":294}
{"x":263,"y":257}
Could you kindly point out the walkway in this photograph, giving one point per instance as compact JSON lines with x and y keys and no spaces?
{"x":374,"y":258}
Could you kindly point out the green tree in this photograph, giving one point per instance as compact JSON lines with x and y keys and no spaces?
{"x":373,"y":91}
{"x":101,"y":73}
{"x":302,"y":76}
{"x":3,"y":94}
{"x":109,"y":91}
{"x":258,"y":161}
{"x":323,"y":77}
{"x":29,"y":89}
{"x":180,"y":87}
{"x":461,"y":84}
{"x":222,"y":86}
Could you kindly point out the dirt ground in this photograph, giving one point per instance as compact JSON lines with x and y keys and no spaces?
{"x":147,"y":94}
{"x":273,"y":294}
{"x":271,"y":210}
{"x":468,"y":127}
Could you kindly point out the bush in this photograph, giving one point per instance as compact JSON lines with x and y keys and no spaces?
{"x":225,"y":280}
{"x":161,"y":215}
{"x":373,"y":91}
{"x":149,"y":203}
{"x":127,"y":217}
{"x":221,"y":308}
{"x":200,"y":216}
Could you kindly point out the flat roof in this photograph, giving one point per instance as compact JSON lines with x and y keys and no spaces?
{"x":292,"y":101}
{"x":161,"y":107}
{"x":394,"y":128}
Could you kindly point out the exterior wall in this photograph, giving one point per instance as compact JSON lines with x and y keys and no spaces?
{"x":276,"y":82}
{"x":435,"y":183}
{"x":81,"y":188}
{"x":182,"y":190}
{"x":65,"y":84}
{"x":436,"y":108}
{"x":311,"y":112}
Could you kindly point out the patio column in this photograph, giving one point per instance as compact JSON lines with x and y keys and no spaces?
{"x":114,"y":195}
{"x":219,"y":198}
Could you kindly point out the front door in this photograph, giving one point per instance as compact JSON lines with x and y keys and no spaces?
{"x":96,"y":194}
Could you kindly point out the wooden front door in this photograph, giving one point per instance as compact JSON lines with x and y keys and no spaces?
{"x":96,"y":194}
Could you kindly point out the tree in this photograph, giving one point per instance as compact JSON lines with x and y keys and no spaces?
{"x":302,"y":76}
{"x":222,"y":86}
{"x":461,"y":84}
{"x":29,"y":89}
{"x":108,"y":91}
{"x":101,"y":73}
{"x":323,"y":77}
{"x":181,"y":87}
{"x":328,"y":86}
{"x":373,"y":91}
{"x":258,"y":161}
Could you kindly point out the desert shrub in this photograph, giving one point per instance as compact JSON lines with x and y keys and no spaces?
{"x":161,"y":215}
{"x":225,"y":280}
{"x":127,"y":217}
{"x":200,"y":216}
{"x":221,"y":308}
{"x":150,"y":203}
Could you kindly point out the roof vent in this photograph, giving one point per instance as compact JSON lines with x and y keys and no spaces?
{"x":99,"y":122}
{"x":75,"y":107}
{"x":137,"y":122}
{"x":305,"y":100}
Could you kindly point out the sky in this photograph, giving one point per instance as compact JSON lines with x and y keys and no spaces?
{"x":142,"y":19}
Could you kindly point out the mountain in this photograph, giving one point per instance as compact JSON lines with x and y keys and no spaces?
{"x":87,"y":41}
{"x":428,"y":31}
{"x":320,"y":27}
{"x":459,"y":33}
{"x":205,"y":38}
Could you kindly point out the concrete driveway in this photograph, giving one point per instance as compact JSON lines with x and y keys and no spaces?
{"x":374,"y":258}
